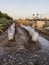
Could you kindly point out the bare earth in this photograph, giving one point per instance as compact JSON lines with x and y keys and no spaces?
{"x":22,"y":50}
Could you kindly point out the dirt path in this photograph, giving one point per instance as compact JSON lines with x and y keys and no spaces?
{"x":22,"y":46}
{"x":22,"y":40}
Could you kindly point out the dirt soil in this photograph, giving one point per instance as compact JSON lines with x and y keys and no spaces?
{"x":18,"y":51}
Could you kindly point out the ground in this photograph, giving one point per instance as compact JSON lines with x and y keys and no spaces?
{"x":22,"y":50}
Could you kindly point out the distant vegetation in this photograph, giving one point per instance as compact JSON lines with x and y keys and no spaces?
{"x":5,"y":21}
{"x":4,"y":15}
{"x":46,"y":25}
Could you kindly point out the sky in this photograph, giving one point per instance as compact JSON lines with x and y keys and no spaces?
{"x":25,"y":8}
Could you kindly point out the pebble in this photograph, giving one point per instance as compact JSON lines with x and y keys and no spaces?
{"x":13,"y":61}
{"x":45,"y":58}
{"x":6,"y":63}
{"x":10,"y":56}
{"x":14,"y":58}
{"x":21,"y":59}
{"x":36,"y":55}
{"x":4,"y":60}
{"x":30,"y":63}
{"x":20,"y":63}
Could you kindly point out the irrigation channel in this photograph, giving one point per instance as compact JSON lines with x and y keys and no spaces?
{"x":22,"y":50}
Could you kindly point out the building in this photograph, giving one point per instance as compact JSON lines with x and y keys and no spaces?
{"x":40,"y":24}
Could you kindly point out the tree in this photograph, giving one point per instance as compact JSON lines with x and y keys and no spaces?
{"x":5,"y":15}
{"x":0,"y":14}
{"x":37,"y":15}
{"x":33,"y":15}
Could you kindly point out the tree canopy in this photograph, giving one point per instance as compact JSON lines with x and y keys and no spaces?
{"x":5,"y":15}
{"x":5,"y":21}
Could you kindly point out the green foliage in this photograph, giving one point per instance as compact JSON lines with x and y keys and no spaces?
{"x":1,"y":31}
{"x":46,"y":25}
{"x":4,"y":15}
{"x":5,"y":21}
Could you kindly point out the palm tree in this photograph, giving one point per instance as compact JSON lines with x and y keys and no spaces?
{"x":33,"y":15}
{"x":37,"y":15}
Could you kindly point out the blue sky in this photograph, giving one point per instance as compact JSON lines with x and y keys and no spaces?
{"x":25,"y":8}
